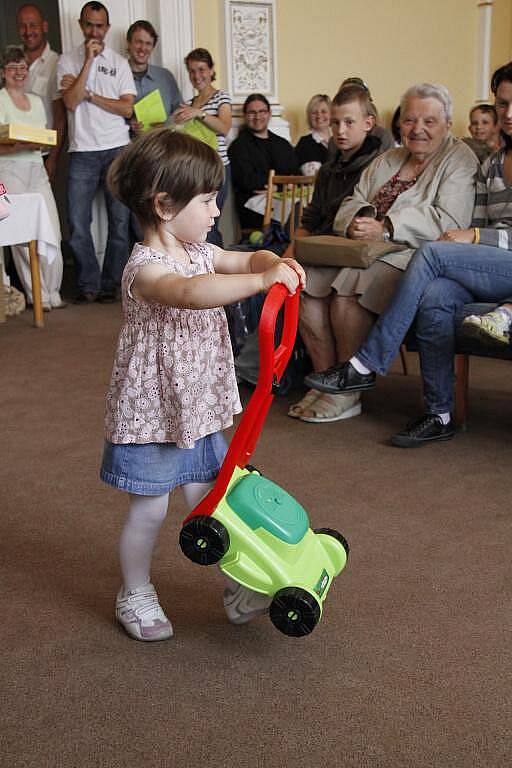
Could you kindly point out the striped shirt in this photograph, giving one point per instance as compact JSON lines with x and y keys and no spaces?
{"x":493,"y":203}
{"x":211,"y":107}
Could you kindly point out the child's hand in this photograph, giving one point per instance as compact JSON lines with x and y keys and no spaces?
{"x":281,"y":272}
{"x":297,"y":267}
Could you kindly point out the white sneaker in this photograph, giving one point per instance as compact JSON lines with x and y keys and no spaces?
{"x":141,"y":615}
{"x":242,"y":604}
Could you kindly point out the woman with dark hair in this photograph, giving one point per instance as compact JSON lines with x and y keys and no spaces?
{"x":213,"y":107}
{"x":22,"y":170}
{"x":395,"y":127}
{"x":469,"y":265}
{"x":253,"y":153}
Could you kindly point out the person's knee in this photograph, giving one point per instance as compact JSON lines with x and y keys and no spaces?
{"x":443,"y":294}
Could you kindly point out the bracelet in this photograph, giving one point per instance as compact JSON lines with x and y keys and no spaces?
{"x":476,"y":238}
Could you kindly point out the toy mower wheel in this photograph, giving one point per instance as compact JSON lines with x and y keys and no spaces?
{"x":204,"y":540}
{"x":294,"y":611}
{"x":335,"y":535}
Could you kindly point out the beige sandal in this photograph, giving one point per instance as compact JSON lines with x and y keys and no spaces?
{"x":333,"y":408}
{"x":296,"y":411}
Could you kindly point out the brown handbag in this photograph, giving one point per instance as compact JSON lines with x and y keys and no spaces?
{"x":335,"y":251}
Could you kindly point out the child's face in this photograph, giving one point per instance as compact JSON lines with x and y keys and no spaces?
{"x":194,"y":221}
{"x":349,"y":126}
{"x":482,"y":127}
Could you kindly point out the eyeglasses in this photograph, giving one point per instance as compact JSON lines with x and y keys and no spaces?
{"x":16,"y":67}
{"x":257,"y":113}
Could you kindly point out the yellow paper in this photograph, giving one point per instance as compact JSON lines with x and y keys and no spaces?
{"x":150,"y":109}
{"x":13,"y":132}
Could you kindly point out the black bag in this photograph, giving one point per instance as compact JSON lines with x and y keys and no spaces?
{"x":247,"y":363}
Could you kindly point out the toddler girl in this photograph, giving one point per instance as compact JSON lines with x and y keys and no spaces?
{"x":173,"y":388}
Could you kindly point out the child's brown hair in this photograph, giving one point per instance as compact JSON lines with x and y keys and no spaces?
{"x":167,"y":163}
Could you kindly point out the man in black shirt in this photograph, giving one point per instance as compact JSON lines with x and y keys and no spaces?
{"x":253,"y":154}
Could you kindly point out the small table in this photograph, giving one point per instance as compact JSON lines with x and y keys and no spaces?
{"x":29,"y":221}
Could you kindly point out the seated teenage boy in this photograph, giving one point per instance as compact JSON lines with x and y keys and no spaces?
{"x":351,"y":123}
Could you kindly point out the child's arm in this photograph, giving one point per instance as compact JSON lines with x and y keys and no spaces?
{"x":154,"y":283}
{"x":239,"y":262}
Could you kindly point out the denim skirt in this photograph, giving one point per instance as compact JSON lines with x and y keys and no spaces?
{"x":152,"y":469}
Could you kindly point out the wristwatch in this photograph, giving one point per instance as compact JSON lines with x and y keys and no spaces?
{"x":386,"y":232}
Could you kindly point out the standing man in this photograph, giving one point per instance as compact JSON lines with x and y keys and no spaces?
{"x":141,"y":41}
{"x":42,"y":75}
{"x":98,"y":90}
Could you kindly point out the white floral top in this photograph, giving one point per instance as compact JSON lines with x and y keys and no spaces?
{"x":173,"y":378}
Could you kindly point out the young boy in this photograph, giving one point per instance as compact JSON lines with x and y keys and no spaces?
{"x":484,"y":130}
{"x":351,"y":123}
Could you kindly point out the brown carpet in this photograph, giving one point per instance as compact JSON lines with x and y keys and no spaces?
{"x":410,"y":665}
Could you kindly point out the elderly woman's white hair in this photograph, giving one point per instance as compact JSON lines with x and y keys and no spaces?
{"x":429,"y":91}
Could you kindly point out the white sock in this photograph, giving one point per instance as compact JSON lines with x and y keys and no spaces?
{"x":138,"y":537}
{"x":360,"y":368}
{"x":444,"y":418}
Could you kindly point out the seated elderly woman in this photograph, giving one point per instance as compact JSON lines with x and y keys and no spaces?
{"x":467,"y":265}
{"x":311,"y":150}
{"x":407,"y":195}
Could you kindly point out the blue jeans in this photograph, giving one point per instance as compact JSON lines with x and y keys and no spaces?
{"x":87,"y":172}
{"x":441,"y":277}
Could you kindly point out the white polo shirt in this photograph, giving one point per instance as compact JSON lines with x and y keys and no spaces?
{"x":90,"y":127}
{"x":42,"y":80}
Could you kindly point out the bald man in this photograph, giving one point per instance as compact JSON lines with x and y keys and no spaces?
{"x":42,"y":78}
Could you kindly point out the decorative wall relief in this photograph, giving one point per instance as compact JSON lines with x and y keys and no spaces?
{"x":250,"y":47}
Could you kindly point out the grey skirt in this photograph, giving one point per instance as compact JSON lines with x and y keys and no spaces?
{"x":373,"y":286}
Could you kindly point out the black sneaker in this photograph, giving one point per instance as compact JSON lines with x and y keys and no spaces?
{"x":341,"y":377}
{"x":428,"y":429}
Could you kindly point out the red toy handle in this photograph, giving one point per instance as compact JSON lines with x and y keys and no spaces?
{"x":273,"y":362}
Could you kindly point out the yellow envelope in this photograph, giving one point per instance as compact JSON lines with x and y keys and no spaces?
{"x":150,"y":109}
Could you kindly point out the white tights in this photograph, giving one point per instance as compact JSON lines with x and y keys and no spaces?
{"x":138,"y":537}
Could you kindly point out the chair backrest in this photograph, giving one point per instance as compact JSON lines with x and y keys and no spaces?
{"x":295,"y":190}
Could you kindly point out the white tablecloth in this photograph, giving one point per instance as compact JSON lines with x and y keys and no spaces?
{"x":29,"y":220}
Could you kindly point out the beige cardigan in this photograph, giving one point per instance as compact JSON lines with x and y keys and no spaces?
{"x":441,"y":199}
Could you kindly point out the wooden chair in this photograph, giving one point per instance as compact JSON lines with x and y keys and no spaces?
{"x":297,"y":190}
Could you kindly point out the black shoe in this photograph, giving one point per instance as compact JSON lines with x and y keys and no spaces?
{"x":107,"y":297}
{"x":428,"y":429}
{"x":341,"y":377}
{"x":85,"y":297}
